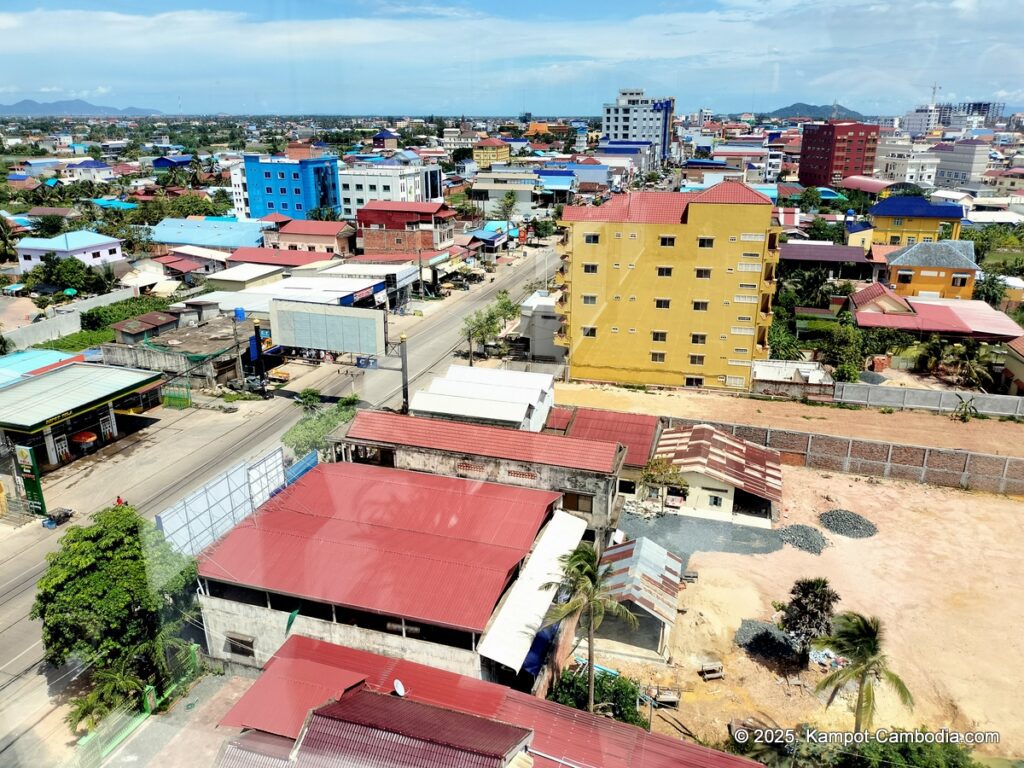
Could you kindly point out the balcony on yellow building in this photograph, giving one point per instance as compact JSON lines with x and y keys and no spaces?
{"x":562,"y":276}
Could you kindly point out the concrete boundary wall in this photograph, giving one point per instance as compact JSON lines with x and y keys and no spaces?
{"x":936,"y":466}
{"x":65,"y":322}
{"x":942,"y":401}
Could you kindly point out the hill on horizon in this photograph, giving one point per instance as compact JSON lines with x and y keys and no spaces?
{"x":70,"y":108}
{"x":816,"y":111}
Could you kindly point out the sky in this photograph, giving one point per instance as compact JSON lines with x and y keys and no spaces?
{"x":550,"y":57}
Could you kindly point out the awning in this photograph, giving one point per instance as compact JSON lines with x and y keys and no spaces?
{"x":519,"y":618}
{"x":14,"y":288}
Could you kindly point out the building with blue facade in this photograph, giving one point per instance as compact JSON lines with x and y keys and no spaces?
{"x":286,"y":186}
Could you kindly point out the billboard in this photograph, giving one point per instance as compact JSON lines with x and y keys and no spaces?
{"x":328,"y":327}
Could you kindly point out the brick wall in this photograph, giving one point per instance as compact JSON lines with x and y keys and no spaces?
{"x":936,"y":466}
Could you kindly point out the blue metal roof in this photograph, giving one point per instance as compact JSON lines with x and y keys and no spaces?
{"x":209,"y":234}
{"x":504,"y":226}
{"x":69,"y":241}
{"x":17,"y":176}
{"x":916,"y":208}
{"x":119,"y":205}
{"x":385,"y":134}
{"x":90,"y":164}
{"x":857,"y":226}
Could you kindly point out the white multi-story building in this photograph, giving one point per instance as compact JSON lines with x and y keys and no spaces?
{"x":636,"y":117}
{"x":89,"y":170}
{"x":394,"y":183}
{"x":923,"y":119}
{"x":456,"y":138}
{"x":900,"y":160}
{"x":961,"y":163}
{"x":239,"y":200}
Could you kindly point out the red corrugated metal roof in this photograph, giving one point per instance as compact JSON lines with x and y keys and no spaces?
{"x":941,"y":321}
{"x":636,"y":431}
{"x":634,"y":207}
{"x":277,"y":257}
{"x":495,"y":442}
{"x":561,"y":733}
{"x":388,"y":205}
{"x":410,"y":719}
{"x":1017,"y":345}
{"x":706,"y":450}
{"x":425,"y":547}
{"x":279,"y":701}
{"x":874,"y":292}
{"x":490,"y":143}
{"x":318,"y":228}
{"x":275,"y":218}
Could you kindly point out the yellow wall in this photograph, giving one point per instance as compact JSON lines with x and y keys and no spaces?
{"x":932,"y":280}
{"x":627,"y":283}
{"x":922,"y":230}
{"x":861,"y":239}
{"x":485,"y":157}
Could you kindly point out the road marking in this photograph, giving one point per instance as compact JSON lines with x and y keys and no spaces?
{"x":37,"y":642}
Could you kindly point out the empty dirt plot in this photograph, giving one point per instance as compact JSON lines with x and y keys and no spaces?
{"x":943,"y":573}
{"x":907,"y":427}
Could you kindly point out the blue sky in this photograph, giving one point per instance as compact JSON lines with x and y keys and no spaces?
{"x":549,"y":57}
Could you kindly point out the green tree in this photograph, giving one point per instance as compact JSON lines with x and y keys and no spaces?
{"x":7,"y":240}
{"x":174,"y":177}
{"x":312,"y":429}
{"x":309,"y":400}
{"x":506,"y":207}
{"x":589,"y":600}
{"x":506,"y":309}
{"x":323,"y":213}
{"x":50,"y":225}
{"x":860,"y":639}
{"x":843,"y":348}
{"x":808,"y":614}
{"x":782,"y":343}
{"x":479,"y":327}
{"x":991,"y":289}
{"x":113,"y":587}
{"x":819,"y":229}
{"x":95,"y":152}
{"x":881,"y":754}
{"x":810,"y":199}
{"x":661,"y":474}
{"x":616,"y":695}
{"x":462,"y":153}
{"x":543,"y":227}
{"x":71,"y":273}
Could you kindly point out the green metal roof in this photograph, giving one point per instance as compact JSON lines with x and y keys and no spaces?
{"x":56,"y":395}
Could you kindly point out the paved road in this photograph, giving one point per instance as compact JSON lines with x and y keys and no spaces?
{"x":154,"y":470}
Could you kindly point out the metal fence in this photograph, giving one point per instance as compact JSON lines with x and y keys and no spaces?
{"x":941,"y":401}
{"x":301,"y":467}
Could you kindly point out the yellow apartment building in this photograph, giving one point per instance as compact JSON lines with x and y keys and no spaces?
{"x":941,"y":270}
{"x":490,"y":151}
{"x":669,"y":289}
{"x":906,"y":220}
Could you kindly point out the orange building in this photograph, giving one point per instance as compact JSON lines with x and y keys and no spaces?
{"x":942,"y":270}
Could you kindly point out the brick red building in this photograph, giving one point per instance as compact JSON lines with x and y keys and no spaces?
{"x":832,"y":151}
{"x":386,"y":227}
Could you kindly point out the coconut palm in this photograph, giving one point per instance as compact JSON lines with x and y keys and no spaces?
{"x":6,"y":239}
{"x":88,"y":709}
{"x":859,"y":639}
{"x":808,"y":614}
{"x":117,"y":684}
{"x":585,"y":583}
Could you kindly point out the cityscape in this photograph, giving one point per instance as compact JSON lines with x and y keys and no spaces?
{"x":562,"y":401}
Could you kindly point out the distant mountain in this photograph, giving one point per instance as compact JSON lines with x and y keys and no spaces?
{"x":818,"y":112}
{"x":72,"y":108}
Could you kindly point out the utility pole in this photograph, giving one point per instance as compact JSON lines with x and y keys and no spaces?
{"x":405,"y":372}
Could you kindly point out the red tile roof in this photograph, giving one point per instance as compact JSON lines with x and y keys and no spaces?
{"x":637,"y":431}
{"x":277,"y":257}
{"x":731,"y":191}
{"x":559,"y":733}
{"x":634,"y":207}
{"x":180,"y":264}
{"x":1017,"y":345}
{"x":490,"y":143}
{"x":425,"y":547}
{"x":708,"y":451}
{"x":317,"y":228}
{"x":374,"y":730}
{"x":494,"y":442}
{"x":874,"y":292}
{"x":275,"y":218}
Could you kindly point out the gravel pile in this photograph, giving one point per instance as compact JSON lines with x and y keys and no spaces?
{"x":870,"y":377}
{"x":804,"y":537}
{"x":847,"y":523}
{"x":761,"y":638}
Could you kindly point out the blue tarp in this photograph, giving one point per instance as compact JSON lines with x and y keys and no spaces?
{"x":538,"y":652}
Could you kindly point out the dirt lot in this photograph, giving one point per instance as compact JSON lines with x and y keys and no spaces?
{"x":943,"y":573}
{"x":909,"y":427}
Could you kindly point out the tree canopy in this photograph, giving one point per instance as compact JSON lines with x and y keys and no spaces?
{"x":112,"y":589}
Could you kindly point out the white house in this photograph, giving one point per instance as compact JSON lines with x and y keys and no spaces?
{"x":89,"y":170}
{"x":90,"y":248}
{"x":358,"y":184}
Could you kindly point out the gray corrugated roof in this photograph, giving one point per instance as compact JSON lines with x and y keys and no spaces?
{"x":955,"y":254}
{"x":643,"y":571}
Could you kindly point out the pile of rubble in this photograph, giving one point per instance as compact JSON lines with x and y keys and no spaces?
{"x":804,"y":537}
{"x":847,"y":523}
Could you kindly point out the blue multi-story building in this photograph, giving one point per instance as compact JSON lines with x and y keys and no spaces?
{"x":291,"y":187}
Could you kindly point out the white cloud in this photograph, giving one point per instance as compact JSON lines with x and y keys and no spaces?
{"x":749,"y":53}
{"x":50,"y":89}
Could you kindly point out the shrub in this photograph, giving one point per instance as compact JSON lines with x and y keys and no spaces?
{"x":619,"y":695}
{"x":102,"y":317}
{"x":311,"y":431}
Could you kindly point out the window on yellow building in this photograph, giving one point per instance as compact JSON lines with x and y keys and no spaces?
{"x":667,"y":242}
{"x":897,"y":222}
{"x":589,"y":299}
{"x":904,"y":278}
{"x":698,"y":338}
{"x":911,"y":240}
{"x":664,"y":271}
{"x":591,"y":238}
{"x":894,"y":239}
{"x":703,"y":274}
{"x":662,"y":303}
{"x":657,"y":357}
{"x":659,"y":335}
{"x":590,"y":269}
{"x":700,"y":306}
{"x":705,"y":242}
{"x":960,"y":280}
{"x":589,"y":332}
{"x":694,"y":381}
{"x":696,"y":359}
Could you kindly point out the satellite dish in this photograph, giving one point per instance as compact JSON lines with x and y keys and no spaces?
{"x":399,"y":688}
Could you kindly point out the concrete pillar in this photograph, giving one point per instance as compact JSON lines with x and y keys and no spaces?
{"x":51,"y":448}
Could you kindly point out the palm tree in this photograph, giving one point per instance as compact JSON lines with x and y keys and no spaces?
{"x":89,"y":709}
{"x":859,"y":638}
{"x":585,"y":583}
{"x":808,"y":614}
{"x":118,"y":684}
{"x":6,"y":239}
